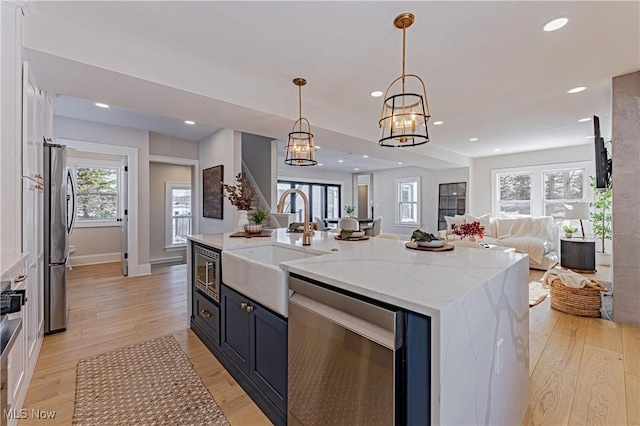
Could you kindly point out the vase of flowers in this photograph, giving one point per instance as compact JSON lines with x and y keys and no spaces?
{"x":471,"y":230}
{"x":241,"y":197}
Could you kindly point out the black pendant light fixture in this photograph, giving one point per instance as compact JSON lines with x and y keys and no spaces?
{"x":300,"y":150}
{"x":405,"y":111}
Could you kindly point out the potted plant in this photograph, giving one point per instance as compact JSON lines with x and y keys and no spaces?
{"x":569,"y":231}
{"x":257,"y":217}
{"x":349,"y":210}
{"x":601,"y":220}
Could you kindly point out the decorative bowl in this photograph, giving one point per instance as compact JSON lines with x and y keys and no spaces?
{"x":357,"y":234}
{"x":432,"y":243}
{"x":253,"y":229}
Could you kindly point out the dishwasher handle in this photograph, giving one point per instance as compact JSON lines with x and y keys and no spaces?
{"x":350,"y":322}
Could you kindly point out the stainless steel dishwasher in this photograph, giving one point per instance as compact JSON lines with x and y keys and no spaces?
{"x":342,"y":354}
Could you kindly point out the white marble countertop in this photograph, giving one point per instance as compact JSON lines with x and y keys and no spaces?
{"x":384,"y":269}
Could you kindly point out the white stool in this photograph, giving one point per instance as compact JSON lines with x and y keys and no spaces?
{"x":72,"y":249}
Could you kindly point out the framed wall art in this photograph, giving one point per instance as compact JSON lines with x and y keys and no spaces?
{"x":212,"y":192}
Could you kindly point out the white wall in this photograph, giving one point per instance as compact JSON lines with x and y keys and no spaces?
{"x":222,"y":147}
{"x":159,"y":174}
{"x":87,"y":131}
{"x":168,"y":146}
{"x":480,"y":201}
{"x":384,"y":197}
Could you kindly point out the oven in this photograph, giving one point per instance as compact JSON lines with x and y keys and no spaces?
{"x":206,"y":273}
{"x":11,"y":301}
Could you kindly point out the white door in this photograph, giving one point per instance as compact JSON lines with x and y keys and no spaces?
{"x":124,"y":216}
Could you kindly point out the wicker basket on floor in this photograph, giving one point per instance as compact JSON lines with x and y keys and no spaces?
{"x":583,"y":302}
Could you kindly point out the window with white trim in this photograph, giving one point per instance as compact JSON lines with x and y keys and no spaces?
{"x":514,"y":194}
{"x":562,"y":186}
{"x":97,"y":192}
{"x":408,"y":201}
{"x":178,"y":214}
{"x":540,"y":190}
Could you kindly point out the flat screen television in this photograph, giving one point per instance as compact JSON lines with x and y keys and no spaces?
{"x":603,"y":162}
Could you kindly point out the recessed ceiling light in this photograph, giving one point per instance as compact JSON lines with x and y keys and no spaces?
{"x":189,"y":122}
{"x":473,"y":139}
{"x":577,"y":89}
{"x":101,"y":105}
{"x":318,"y":147}
{"x":356,"y":168}
{"x":376,"y":93}
{"x":556,"y":24}
{"x":319,"y":164}
{"x":590,"y":137}
{"x":365,"y":156}
{"x":582,"y":120}
{"x":399,"y":162}
{"x":340,"y":161}
{"x":437,"y":123}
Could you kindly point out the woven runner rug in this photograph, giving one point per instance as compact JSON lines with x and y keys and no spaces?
{"x":152,"y":383}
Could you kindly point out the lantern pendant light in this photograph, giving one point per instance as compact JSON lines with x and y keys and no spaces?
{"x":405,"y":111}
{"x":300,"y":150}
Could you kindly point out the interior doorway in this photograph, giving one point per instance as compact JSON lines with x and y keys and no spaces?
{"x":363,"y":194}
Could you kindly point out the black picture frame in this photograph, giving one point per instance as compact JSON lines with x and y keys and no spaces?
{"x":212,"y":196}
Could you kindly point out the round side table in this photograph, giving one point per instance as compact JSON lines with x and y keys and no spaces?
{"x":578,"y":255}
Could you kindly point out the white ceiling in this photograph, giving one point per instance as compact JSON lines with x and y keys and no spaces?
{"x":490,"y":70}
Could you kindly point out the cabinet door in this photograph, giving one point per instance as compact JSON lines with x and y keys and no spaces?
{"x":268,"y":346}
{"x":235,"y":328}
{"x":31,"y":315}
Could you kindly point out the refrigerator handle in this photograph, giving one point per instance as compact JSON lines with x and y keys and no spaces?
{"x":72,"y":186}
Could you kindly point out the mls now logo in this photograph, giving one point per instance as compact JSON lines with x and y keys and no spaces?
{"x":42,"y":414}
{"x":14,"y":413}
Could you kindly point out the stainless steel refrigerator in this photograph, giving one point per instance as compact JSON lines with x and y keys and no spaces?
{"x":56,"y":237}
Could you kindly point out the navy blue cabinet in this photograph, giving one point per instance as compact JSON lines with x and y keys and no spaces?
{"x":268,"y":360}
{"x":207,"y":315}
{"x":255,"y":340}
{"x":235,"y":328}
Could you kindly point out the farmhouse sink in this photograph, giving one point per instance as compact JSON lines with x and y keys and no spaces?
{"x":254,"y":272}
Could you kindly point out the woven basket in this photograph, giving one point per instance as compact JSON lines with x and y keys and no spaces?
{"x":583,"y":302}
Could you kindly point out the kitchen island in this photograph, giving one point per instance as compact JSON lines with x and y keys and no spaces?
{"x":476,"y":301}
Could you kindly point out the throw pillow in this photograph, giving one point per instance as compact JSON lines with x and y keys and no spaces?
{"x":485,"y":220}
{"x":451,"y":220}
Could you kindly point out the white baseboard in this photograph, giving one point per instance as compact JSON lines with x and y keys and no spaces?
{"x":161,"y":260}
{"x":93,"y":259}
{"x":144,"y":269}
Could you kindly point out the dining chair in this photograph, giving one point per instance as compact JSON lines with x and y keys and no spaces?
{"x":320,"y":222}
{"x":375,"y":229}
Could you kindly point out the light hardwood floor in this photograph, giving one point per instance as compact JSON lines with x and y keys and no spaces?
{"x":582,"y":370}
{"x":107,"y":312}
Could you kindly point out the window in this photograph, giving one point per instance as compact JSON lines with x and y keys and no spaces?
{"x":560,"y":187}
{"x":324,"y":199}
{"x":540,"y":190}
{"x":97,"y":195}
{"x":178,"y":214}
{"x":408,"y":201}
{"x":514,"y":194}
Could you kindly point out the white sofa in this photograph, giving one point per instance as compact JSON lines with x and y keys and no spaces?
{"x":535,"y":236}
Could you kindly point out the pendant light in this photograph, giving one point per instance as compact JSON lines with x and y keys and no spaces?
{"x":405,"y":111}
{"x":300,"y":150}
